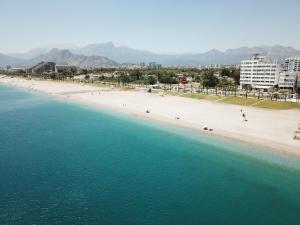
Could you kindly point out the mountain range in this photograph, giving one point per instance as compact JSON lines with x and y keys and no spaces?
{"x":65,"y":57}
{"x":109,"y":55}
{"x":124,"y":54}
{"x":61,"y":57}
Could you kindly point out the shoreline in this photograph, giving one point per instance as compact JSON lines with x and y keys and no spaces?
{"x":99,"y":98}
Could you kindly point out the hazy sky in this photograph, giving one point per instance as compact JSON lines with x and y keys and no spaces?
{"x":165,"y":26}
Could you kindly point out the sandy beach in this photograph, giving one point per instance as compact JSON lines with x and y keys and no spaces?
{"x":273,"y":129}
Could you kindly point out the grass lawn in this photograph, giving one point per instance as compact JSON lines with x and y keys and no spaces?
{"x":195,"y":96}
{"x":268,"y":104}
{"x":278,"y":105}
{"x":240,"y":101}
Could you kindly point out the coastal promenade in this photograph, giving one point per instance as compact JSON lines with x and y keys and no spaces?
{"x":272,"y":129}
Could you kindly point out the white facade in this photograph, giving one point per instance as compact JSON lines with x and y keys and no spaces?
{"x":290,"y":76}
{"x":288,"y":79}
{"x":258,"y":73}
{"x":292,"y":64}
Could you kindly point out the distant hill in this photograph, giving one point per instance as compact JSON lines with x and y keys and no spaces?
{"x":107,"y":54}
{"x":30,"y":54}
{"x":120,"y":54}
{"x":8,"y":60}
{"x":39,"y":51}
{"x":276,"y":52}
{"x":62,"y":57}
{"x":65,"y":57}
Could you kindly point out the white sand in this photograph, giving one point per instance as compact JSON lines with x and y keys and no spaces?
{"x":268,"y":128}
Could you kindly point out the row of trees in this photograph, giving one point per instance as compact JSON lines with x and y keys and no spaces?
{"x":226,"y":77}
{"x":139,"y":76}
{"x":208,"y":78}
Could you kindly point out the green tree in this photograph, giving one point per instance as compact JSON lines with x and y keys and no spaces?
{"x":125,"y":79}
{"x":197,"y":78}
{"x":73,"y":70}
{"x":136,"y":74}
{"x":247,"y":87}
{"x":152,"y":80}
{"x":235,"y":74}
{"x":167,"y":79}
{"x":84,"y":71}
{"x":66,"y":73}
{"x":208,"y":79}
{"x":223,"y":82}
{"x":225,"y":72}
{"x":53,"y":76}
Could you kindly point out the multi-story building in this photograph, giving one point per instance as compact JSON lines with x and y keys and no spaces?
{"x":42,"y":67}
{"x":289,"y":79}
{"x":292,"y":64}
{"x":259,"y":73}
{"x":290,"y":76}
{"x":152,"y":65}
{"x":51,"y":67}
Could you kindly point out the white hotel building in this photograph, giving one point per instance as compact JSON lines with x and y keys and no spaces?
{"x":292,"y":64}
{"x":290,"y":76}
{"x":259,"y":73}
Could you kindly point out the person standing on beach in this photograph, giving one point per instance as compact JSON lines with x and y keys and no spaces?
{"x":243,"y":115}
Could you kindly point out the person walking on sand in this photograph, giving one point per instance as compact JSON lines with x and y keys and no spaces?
{"x":243,"y":115}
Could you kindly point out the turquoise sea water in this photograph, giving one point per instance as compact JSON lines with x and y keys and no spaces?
{"x":65,"y":164}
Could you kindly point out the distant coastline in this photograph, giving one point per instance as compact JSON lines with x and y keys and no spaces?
{"x":266,"y":128}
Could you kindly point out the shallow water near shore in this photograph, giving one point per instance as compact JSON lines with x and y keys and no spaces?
{"x":65,"y":164}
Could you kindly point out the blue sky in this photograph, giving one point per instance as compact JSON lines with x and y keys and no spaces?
{"x":163,"y":26}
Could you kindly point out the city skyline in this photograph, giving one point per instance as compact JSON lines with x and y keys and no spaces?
{"x":161,"y":27}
